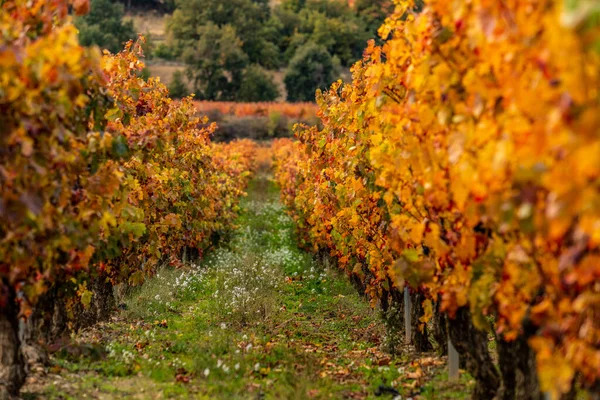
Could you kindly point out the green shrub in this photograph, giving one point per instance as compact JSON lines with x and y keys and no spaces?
{"x":257,"y":85}
{"x":256,"y":128}
{"x":166,"y":52}
{"x":311,"y":68}
{"x":178,"y":87}
{"x":104,"y":26}
{"x":216,"y":63}
{"x":274,"y":122}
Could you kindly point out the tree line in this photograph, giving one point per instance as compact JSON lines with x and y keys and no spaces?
{"x":231,"y":49}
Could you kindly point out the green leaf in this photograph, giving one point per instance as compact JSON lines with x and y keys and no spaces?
{"x":114,"y":114}
{"x":86,"y":298}
{"x":120,"y":147}
{"x":411,"y":255}
{"x":137,"y":278}
{"x":138,"y":229}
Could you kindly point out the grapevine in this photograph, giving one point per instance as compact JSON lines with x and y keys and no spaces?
{"x":102,"y":175}
{"x":470,"y":142}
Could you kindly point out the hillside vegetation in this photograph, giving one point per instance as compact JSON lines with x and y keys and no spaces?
{"x":242,"y":50}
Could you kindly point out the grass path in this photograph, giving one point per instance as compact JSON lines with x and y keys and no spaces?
{"x":258,"y":318}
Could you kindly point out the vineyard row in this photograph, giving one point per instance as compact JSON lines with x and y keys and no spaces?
{"x":103,"y":178}
{"x":462,"y":162}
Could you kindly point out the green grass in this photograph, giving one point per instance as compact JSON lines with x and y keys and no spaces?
{"x":257,"y":318}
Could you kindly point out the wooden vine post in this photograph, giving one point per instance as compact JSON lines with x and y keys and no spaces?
{"x":452,"y":362}
{"x":407,"y":321}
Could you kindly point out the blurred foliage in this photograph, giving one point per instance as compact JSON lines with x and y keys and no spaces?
{"x":104,"y":26}
{"x":257,"y":85}
{"x":178,"y":87}
{"x":228,"y":45}
{"x":311,"y":68}
{"x":247,"y":17}
{"x":216,"y":62}
{"x":161,"y":5}
{"x":271,"y":37}
{"x":584,"y":16}
{"x":165,"y":51}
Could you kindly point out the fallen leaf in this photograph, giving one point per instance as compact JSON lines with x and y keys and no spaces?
{"x":383,"y":361}
{"x":416,"y":374}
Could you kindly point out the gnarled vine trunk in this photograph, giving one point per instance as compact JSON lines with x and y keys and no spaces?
{"x":49,"y":320}
{"x":518,"y":369}
{"x":103,"y":303}
{"x":419,"y":337}
{"x":392,"y":308}
{"x":440,"y":330}
{"x":471,"y":345}
{"x":12,"y":372}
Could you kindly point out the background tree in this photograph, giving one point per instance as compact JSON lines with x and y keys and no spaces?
{"x":104,"y":26}
{"x":331,"y":24}
{"x":178,"y":87}
{"x":342,"y":36}
{"x":257,"y":85}
{"x":216,"y":63}
{"x":373,"y":13}
{"x":310,"y":69}
{"x":261,"y":33}
{"x":271,"y":36}
{"x":160,"y":5}
{"x":249,"y":18}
